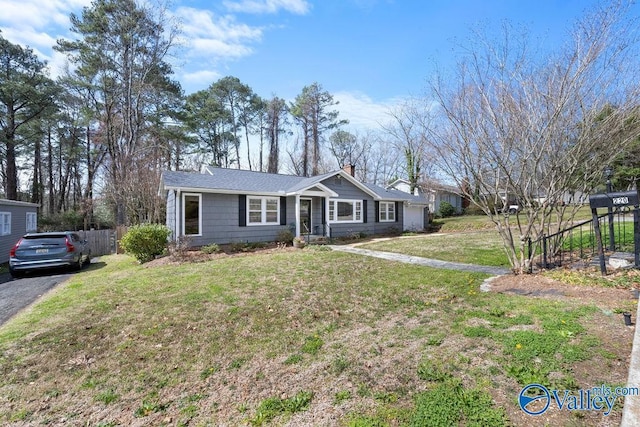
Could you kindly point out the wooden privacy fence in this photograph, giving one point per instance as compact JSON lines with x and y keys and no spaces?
{"x":101,"y":242}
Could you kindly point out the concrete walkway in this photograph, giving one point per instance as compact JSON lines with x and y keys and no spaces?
{"x":428,"y":262}
{"x":631,"y":410}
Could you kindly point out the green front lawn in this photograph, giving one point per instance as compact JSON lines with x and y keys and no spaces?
{"x":482,"y":222}
{"x":309,"y":336}
{"x":481,"y":247}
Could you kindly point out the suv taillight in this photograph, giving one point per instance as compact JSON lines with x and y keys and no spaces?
{"x":12,"y":252}
{"x":70,"y":247}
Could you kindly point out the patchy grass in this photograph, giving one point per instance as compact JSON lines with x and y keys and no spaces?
{"x":625,"y":279}
{"x":304,"y":337}
{"x":482,"y":247}
{"x":463,"y":223}
{"x":482,"y":222}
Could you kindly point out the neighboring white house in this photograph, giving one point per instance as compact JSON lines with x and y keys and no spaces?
{"x":16,"y":219}
{"x":434,"y":193}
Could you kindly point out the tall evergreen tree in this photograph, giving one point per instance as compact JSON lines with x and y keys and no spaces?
{"x":239,"y":100}
{"x":25,"y":93}
{"x":276,"y":123}
{"x":311,"y":111}
{"x":120,"y":58}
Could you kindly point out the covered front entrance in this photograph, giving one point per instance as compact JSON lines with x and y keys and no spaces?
{"x":311,"y":217}
{"x":311,"y":207}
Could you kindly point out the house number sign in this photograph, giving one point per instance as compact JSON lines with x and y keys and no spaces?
{"x":621,"y":201}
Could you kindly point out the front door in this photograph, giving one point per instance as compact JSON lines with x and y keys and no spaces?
{"x":305,"y":216}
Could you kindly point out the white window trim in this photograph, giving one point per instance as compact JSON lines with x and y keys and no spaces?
{"x":263,"y":211}
{"x":199,"y":196}
{"x":384,"y":207}
{"x":4,"y":215}
{"x":33,"y":222}
{"x":333,"y":208}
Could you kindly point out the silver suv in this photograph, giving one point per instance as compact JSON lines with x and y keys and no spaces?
{"x":48,"y":250}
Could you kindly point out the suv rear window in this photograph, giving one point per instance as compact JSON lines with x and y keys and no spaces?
{"x":55,"y":240}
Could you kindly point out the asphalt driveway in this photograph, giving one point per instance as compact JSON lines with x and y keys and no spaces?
{"x":18,"y":294}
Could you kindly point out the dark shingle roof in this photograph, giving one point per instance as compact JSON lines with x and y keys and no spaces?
{"x":238,"y":180}
{"x":393,"y":194}
{"x":231,"y":180}
{"x":311,"y":181}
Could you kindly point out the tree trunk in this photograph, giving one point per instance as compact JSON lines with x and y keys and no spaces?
{"x":51,"y":201}
{"x":88,"y":195}
{"x":12,"y":174}
{"x":37,"y":170}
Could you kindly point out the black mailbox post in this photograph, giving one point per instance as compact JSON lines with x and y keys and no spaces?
{"x":613,"y":201}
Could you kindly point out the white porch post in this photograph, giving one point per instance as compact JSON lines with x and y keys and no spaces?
{"x":327,"y":229}
{"x":297,"y":215}
{"x":178,"y":225}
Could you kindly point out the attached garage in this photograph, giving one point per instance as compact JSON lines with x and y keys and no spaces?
{"x":413,"y":217}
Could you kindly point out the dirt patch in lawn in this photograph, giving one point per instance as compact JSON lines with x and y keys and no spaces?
{"x":226,"y":251}
{"x":545,"y":287}
{"x":608,"y":326}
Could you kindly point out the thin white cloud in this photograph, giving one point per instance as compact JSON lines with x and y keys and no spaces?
{"x":299,"y":7}
{"x":209,"y":41}
{"x":201,"y":78}
{"x":38,"y":41}
{"x":38,"y":24}
{"x":38,"y":13}
{"x":362,"y":112}
{"x":203,"y":22}
{"x":205,"y":34}
{"x":219,"y":48}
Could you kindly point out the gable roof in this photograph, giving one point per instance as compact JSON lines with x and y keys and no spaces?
{"x":223,"y":180}
{"x":433,"y":185}
{"x":8,"y":202}
{"x":229,"y":180}
{"x":397,"y":195}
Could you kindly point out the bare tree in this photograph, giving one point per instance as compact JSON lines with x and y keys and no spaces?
{"x":345,"y":147}
{"x":538,"y":130}
{"x":380,"y":162}
{"x":408,"y":131}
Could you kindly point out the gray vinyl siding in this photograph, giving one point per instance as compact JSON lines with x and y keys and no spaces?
{"x":18,"y":226}
{"x":390,"y":227}
{"x":171,"y":213}
{"x":346,"y":190}
{"x":291,"y":216}
{"x":220,"y":222}
{"x":220,"y":217}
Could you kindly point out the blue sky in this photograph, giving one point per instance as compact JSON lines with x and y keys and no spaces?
{"x":369,"y":54}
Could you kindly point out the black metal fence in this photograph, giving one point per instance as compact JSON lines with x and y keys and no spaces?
{"x":579,"y":242}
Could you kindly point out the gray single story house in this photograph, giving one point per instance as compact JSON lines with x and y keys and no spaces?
{"x":222,"y":205}
{"x":16,"y":219}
